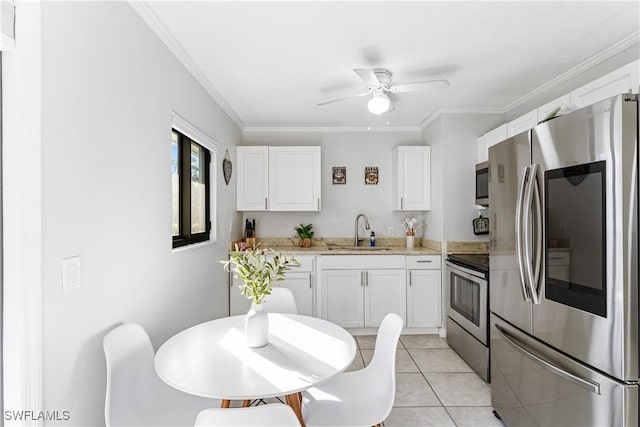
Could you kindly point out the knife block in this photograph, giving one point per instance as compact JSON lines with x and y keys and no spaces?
{"x":251,"y":242}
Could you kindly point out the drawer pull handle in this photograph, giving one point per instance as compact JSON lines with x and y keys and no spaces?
{"x":427,"y":261}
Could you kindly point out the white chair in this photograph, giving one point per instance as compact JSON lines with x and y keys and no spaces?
{"x":136,"y":396}
{"x":272,"y":415}
{"x":359,"y":398}
{"x":281,"y":300}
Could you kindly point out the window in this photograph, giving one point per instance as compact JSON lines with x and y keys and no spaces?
{"x":191,"y":188}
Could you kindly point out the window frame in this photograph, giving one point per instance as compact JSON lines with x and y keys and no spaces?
{"x":188,"y":134}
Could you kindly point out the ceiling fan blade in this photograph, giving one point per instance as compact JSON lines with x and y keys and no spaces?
{"x":368,"y":76}
{"x":342,"y":98}
{"x":411,"y":87}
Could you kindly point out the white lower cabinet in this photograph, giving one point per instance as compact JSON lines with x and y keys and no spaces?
{"x":299,"y":280}
{"x":358,"y":291}
{"x":423,"y":298}
{"x":342,"y":297}
{"x":301,"y":284}
{"x":424,"y":291}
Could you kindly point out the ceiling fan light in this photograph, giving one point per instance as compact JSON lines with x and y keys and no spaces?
{"x":379,"y":104}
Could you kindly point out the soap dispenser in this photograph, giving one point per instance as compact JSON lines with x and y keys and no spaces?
{"x":372,"y":240}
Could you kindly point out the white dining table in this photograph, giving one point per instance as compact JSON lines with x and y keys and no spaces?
{"x":212,"y":359}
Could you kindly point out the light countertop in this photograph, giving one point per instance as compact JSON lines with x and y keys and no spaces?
{"x":344,"y":246}
{"x":363,"y":250}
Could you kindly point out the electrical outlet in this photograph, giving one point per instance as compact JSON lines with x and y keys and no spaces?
{"x":390,"y":231}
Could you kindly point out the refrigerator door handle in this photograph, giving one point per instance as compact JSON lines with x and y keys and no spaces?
{"x":536,"y":288}
{"x":526,"y":230}
{"x":582,"y":382}
{"x":518,"y":221}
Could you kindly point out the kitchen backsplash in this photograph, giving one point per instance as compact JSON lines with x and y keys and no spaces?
{"x":467,"y":247}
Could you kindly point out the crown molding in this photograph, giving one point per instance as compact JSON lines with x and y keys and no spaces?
{"x":611,"y":51}
{"x":448,"y":110}
{"x":143,"y":9}
{"x":331,"y":129}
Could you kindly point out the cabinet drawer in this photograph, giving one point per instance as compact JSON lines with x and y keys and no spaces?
{"x":362,"y":262}
{"x":558,"y":258}
{"x":423,"y":262}
{"x":306,"y":264}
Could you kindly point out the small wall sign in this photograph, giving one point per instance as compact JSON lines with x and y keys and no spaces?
{"x":371,"y":175}
{"x":339,"y":175}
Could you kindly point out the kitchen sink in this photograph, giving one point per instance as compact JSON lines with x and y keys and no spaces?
{"x":358,"y":248}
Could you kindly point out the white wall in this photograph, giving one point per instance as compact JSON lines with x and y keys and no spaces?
{"x":341,"y":203}
{"x":432,"y":136}
{"x":109,"y":86}
{"x":453,"y":138}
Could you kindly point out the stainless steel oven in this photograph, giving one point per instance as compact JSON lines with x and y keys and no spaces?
{"x":468,"y":310}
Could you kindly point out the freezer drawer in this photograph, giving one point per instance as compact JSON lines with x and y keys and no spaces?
{"x":534,"y":385}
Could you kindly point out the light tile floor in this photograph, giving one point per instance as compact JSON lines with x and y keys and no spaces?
{"x":434,"y":386}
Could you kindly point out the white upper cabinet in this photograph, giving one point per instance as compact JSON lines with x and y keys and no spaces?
{"x":412,"y":178}
{"x":614,"y":83}
{"x":549,"y":107}
{"x":489,"y":139}
{"x":522,"y":123}
{"x":619,"y":81}
{"x":253,"y":178}
{"x":294,"y":178}
{"x":278,"y":179}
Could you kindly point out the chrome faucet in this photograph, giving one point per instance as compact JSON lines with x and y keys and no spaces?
{"x":366,"y":226}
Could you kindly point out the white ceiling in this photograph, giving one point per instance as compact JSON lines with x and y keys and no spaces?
{"x":269,"y":63}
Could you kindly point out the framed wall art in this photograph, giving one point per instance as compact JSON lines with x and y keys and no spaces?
{"x":371,"y":175}
{"x":339,"y":175}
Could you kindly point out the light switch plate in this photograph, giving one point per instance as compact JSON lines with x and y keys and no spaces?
{"x":390,"y":231}
{"x":70,"y":273}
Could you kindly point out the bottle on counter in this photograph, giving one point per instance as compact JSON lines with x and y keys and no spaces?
{"x":372,"y":240}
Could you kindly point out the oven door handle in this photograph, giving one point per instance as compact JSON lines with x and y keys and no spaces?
{"x":476,"y":275}
{"x":518,"y":221}
{"x":582,"y":382}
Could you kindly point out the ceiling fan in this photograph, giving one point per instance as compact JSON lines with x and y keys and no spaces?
{"x":378,"y":82}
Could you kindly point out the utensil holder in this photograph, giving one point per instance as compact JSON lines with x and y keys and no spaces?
{"x":410,"y":241}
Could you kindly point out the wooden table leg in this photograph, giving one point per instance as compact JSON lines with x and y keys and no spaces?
{"x":225,"y":403}
{"x":293,"y":400}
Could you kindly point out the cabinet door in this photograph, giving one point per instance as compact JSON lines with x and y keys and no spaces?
{"x":385,"y":292}
{"x":522,"y":123}
{"x":294,"y":178}
{"x":342,"y":300}
{"x":551,"y":106}
{"x":424,"y":298}
{"x":497,"y":135}
{"x":301,"y":286}
{"x":619,"y":81}
{"x":238,"y":303}
{"x":412,"y":175}
{"x":253,"y":178}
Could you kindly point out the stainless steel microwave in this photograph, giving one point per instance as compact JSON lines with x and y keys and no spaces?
{"x":482,"y":184}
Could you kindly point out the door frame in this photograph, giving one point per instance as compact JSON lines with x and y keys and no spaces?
{"x":22,"y":215}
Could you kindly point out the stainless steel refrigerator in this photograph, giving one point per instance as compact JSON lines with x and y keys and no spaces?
{"x":564,"y":270}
